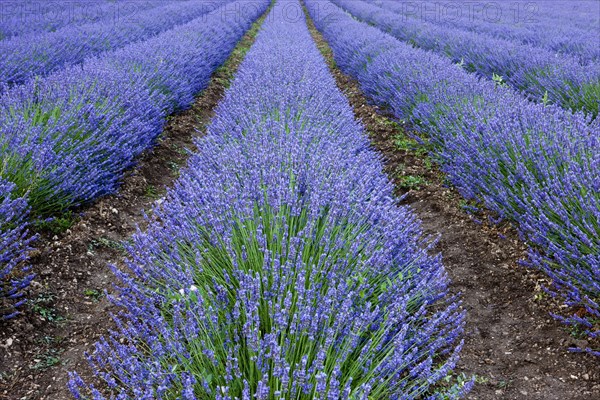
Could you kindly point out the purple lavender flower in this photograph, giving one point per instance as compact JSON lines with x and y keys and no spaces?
{"x":35,"y":54}
{"x":562,"y":27}
{"x":67,"y":139}
{"x":14,"y":245}
{"x":26,"y":17}
{"x":310,"y":282}
{"x":541,"y":74}
{"x":532,"y":163}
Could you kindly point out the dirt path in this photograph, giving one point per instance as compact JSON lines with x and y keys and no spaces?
{"x":69,"y":311}
{"x":512,"y":345}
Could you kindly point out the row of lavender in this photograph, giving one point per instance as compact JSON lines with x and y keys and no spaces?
{"x":525,"y":23}
{"x":536,"y":165}
{"x":67,"y":139}
{"x":582,"y":14}
{"x":30,"y":55}
{"x":279,"y":267}
{"x":542,"y":75}
{"x":14,"y":245}
{"x":19,"y":17}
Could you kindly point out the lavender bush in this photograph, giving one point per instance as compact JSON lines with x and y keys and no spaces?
{"x":67,"y":138}
{"x":580,"y":14}
{"x":525,"y":23}
{"x":26,"y":56}
{"x":27,"y":17}
{"x":14,"y":244}
{"x":534,"y":164}
{"x":542,"y":75}
{"x":280,"y":267}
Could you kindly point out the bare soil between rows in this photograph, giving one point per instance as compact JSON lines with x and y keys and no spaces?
{"x":512,"y":345}
{"x":69,"y":311}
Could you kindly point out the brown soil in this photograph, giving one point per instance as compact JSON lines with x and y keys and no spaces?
{"x":512,"y":345}
{"x":69,"y":310}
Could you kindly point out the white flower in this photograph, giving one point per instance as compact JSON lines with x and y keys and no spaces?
{"x":192,"y":289}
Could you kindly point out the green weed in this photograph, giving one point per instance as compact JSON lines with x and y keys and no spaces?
{"x":56,"y":225}
{"x":151,"y":192}
{"x":43,"y":306}
{"x":412,"y":182}
{"x":93,"y":294}
{"x":108,"y":244}
{"x":49,"y":358}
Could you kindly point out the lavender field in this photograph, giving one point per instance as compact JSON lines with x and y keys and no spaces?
{"x":299,"y":199}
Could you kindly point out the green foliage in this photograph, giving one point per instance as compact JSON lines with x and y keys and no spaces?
{"x":545,"y":98}
{"x":413,"y":182}
{"x":56,"y":225}
{"x":93,"y":294}
{"x":411,"y":144}
{"x":179,"y":149}
{"x":43,"y":305}
{"x":588,"y":99}
{"x":499,"y":80}
{"x":405,"y":143}
{"x":428,"y":164}
{"x":455,"y":382}
{"x":502,"y":384}
{"x":108,"y":244}
{"x":51,"y":356}
{"x":174,"y":167}
{"x":48,"y":359}
{"x":151,"y":192}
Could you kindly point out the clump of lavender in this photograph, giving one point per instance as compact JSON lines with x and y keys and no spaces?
{"x":560,"y":27}
{"x":38,"y":18}
{"x":14,"y":245}
{"x":67,"y":138}
{"x":531,"y":163}
{"x":289,"y":307}
{"x":41,"y":53}
{"x":280,"y":266}
{"x":544,"y":75}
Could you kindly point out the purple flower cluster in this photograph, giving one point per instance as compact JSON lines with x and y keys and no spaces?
{"x":67,"y":138}
{"x":542,"y":75}
{"x":580,"y":14}
{"x":536,"y":165}
{"x":526,"y":23}
{"x":26,"y":17}
{"x":29,"y":55}
{"x":14,"y":244}
{"x":280,"y":266}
